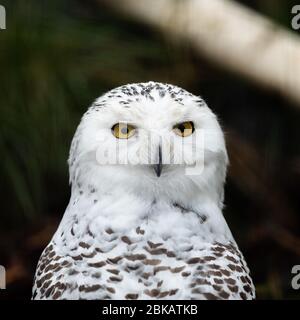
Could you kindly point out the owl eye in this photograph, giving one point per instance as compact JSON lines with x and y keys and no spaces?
{"x":184,"y":129}
{"x":123,"y":130}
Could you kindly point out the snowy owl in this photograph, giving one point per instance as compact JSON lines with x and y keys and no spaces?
{"x":140,"y":225}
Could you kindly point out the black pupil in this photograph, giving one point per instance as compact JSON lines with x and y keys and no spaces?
{"x":124,"y":130}
{"x":181,"y":127}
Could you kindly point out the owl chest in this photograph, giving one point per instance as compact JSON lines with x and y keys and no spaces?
{"x":124,"y":267}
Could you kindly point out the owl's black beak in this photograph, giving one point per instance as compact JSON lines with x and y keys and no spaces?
{"x":158,"y":167}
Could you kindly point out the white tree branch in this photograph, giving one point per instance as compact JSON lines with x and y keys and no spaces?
{"x":229,"y":34}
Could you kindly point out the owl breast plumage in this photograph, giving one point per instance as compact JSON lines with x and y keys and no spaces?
{"x":129,"y":233}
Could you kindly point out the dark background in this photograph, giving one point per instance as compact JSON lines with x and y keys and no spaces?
{"x":56,"y":57}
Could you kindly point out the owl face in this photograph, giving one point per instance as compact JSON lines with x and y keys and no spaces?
{"x":148,"y":136}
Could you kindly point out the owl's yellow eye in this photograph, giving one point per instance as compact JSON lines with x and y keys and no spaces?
{"x":184,"y":129}
{"x":123,"y":130}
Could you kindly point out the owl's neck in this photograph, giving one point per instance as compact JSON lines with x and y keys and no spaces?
{"x":124,"y":198}
{"x":125,"y":214}
{"x":120,"y":209}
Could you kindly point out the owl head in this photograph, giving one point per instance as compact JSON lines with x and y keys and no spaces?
{"x":151,"y":140}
